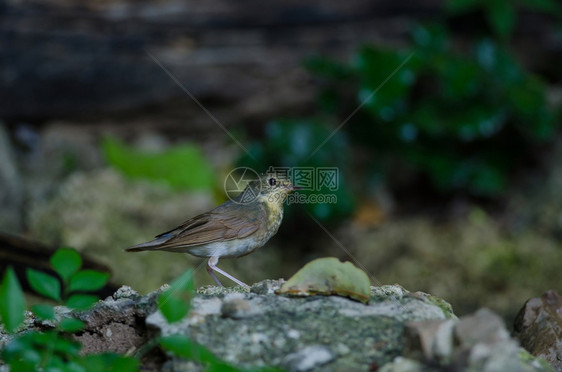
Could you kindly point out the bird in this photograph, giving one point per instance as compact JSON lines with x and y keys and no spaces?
{"x":234,"y":229}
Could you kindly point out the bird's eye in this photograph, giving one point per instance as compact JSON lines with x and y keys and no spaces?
{"x":272,"y":181}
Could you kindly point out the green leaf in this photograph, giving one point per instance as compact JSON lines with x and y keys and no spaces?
{"x":44,"y":284}
{"x":66,"y":261}
{"x":22,"y":353}
{"x":181,"y":167}
{"x":174,"y":302}
{"x":65,"y":346}
{"x":109,"y":362}
{"x":183,"y":347}
{"x":34,"y":351}
{"x":74,"y":366}
{"x":88,"y":280}
{"x":71,"y":325}
{"x":80,"y":301}
{"x":501,"y":16}
{"x":12,"y":301}
{"x":172,"y":307}
{"x":43,"y":311}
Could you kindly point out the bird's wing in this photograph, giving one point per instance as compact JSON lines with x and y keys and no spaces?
{"x":219,"y":224}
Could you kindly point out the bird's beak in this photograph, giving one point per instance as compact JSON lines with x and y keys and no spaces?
{"x":293,"y":188}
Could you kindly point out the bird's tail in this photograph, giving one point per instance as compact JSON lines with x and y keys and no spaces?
{"x":151,"y":245}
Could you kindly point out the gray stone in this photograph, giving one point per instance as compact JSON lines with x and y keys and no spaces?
{"x":480,"y":343}
{"x":267,"y":286}
{"x":260,"y":328}
{"x":539,"y":327}
{"x":442,"y":347}
{"x":125,"y":292}
{"x":308,"y":358}
{"x":401,"y":364}
{"x":236,"y":307}
{"x":317,"y":333}
{"x":483,"y":326}
{"x":430,"y":339}
{"x":181,"y":365}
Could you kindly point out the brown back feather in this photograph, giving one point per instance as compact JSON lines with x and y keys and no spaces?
{"x":219,"y":224}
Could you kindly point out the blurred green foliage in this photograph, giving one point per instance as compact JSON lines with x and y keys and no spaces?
{"x":465,"y":119}
{"x":461,"y":117}
{"x":295,"y":143}
{"x":54,"y":350}
{"x":180,"y":167}
{"x":12,"y":301}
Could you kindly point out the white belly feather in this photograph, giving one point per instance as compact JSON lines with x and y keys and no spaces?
{"x":239,"y":247}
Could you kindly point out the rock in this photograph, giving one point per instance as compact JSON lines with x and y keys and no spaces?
{"x":181,"y":365}
{"x":236,"y":307}
{"x":401,"y":364}
{"x":483,"y":326}
{"x":397,"y":331}
{"x":28,"y":323}
{"x":442,"y":345}
{"x":259,"y":328}
{"x":112,"y":324}
{"x":318,"y":333}
{"x":433,"y":338}
{"x":127,"y":292}
{"x":478,"y":342}
{"x":539,"y":328}
{"x":267,"y":286}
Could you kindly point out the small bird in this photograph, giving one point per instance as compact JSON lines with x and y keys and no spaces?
{"x":233,"y":229}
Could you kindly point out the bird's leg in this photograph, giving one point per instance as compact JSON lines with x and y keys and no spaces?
{"x":212,"y":273}
{"x":213,"y":261}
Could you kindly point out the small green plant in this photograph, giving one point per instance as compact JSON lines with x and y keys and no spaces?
{"x":76,"y":283}
{"x":53,"y":349}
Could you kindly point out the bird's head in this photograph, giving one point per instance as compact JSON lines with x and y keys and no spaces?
{"x":272,"y":188}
